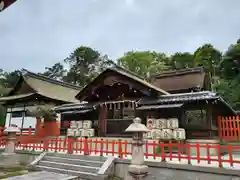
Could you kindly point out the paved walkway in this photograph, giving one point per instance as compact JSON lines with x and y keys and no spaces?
{"x":43,"y":175}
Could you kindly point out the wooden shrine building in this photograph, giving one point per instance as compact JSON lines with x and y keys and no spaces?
{"x":197,"y":112}
{"x":31,"y":90}
{"x":111,"y":98}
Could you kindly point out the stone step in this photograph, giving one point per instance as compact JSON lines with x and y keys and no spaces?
{"x":80,"y":174}
{"x":82,"y":157}
{"x":73,"y":161}
{"x":67,"y":166}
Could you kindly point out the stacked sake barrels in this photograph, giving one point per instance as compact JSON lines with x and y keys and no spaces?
{"x":81,"y":129}
{"x":165,"y":129}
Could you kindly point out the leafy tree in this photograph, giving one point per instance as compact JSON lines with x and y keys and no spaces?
{"x":181,"y":60}
{"x":45,"y":111}
{"x":85,"y":64}
{"x":57,"y":71}
{"x":144,"y":63}
{"x":230,"y":65}
{"x":229,"y":90}
{"x":208,"y":57}
{"x":8,"y":79}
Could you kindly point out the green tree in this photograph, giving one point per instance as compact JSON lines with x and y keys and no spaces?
{"x":208,"y":57}
{"x":144,"y":63}
{"x":230,"y":65}
{"x":85,"y":64}
{"x":181,"y":60}
{"x":57,"y":71}
{"x":229,"y":90}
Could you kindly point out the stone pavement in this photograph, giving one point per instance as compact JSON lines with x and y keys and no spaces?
{"x":43,"y":175}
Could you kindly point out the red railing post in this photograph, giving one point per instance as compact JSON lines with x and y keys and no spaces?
{"x":219,"y":156}
{"x":101,"y":147}
{"x":70,"y":145}
{"x":45,"y":144}
{"x":120,"y":148}
{"x":163,"y":155}
{"x":30,"y":131}
{"x":220,"y":131}
{"x":238,"y":127}
{"x":86,"y":149}
{"x":146,"y":154}
{"x":188,"y":150}
{"x":230,"y":155}
{"x":198,"y":152}
{"x":56,"y":145}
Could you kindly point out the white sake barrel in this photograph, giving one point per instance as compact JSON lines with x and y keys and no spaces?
{"x":162,"y":124}
{"x":155,"y":133}
{"x":147,"y":135}
{"x":91,"y":132}
{"x":77,"y":133}
{"x":179,"y":134}
{"x":79,"y":124}
{"x":166,"y":134}
{"x":73,"y":124}
{"x":151,"y":123}
{"x":70,"y":132}
{"x":158,"y":133}
{"x":87,"y":124}
{"x":172,"y":123}
{"x":80,"y":132}
{"x":88,"y":132}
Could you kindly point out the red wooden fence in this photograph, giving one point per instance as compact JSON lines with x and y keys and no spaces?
{"x":123,"y":149}
{"x":229,"y":128}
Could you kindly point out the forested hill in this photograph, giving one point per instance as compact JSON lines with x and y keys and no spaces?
{"x":86,"y":63}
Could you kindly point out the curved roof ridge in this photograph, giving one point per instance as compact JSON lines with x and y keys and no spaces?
{"x":179,"y":72}
{"x":25,"y":72}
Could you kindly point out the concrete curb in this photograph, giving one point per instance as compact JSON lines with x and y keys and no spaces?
{"x":187,"y":167}
{"x":39,"y":158}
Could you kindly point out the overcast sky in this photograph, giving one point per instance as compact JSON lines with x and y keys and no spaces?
{"x":39,"y":33}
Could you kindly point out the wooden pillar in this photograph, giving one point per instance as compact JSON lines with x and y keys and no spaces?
{"x":209,"y":118}
{"x":102,"y":121}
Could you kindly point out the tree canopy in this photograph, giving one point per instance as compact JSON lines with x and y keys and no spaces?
{"x":85,"y":63}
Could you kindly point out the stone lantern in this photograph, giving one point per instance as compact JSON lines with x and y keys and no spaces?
{"x":12,"y":131}
{"x":9,"y":158}
{"x":137,"y":169}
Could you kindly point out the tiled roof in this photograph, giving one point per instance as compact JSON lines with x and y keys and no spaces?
{"x":74,"y":106}
{"x":182,"y":80}
{"x":174,"y":98}
{"x":48,"y":87}
{"x":127,"y":74}
{"x":18,"y":96}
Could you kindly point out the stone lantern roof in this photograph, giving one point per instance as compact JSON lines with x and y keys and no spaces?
{"x":137,"y":126}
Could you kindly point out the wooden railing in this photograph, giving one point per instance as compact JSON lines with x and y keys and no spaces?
{"x":229,"y":128}
{"x":189,"y":153}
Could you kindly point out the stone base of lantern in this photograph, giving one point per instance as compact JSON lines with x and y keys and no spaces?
{"x":137,"y":172}
{"x":9,"y":160}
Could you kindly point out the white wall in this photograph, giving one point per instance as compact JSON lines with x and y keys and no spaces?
{"x":19,"y":118}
